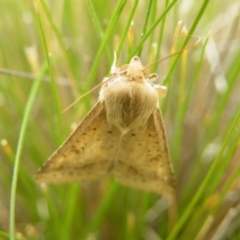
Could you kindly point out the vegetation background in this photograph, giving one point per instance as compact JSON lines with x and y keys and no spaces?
{"x":201,"y":113}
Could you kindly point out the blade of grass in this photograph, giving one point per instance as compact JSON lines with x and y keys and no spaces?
{"x":148,"y":11}
{"x":179,"y":129}
{"x":233,"y":75}
{"x":108,"y":32}
{"x":53,"y":83}
{"x":224,"y":162}
{"x":191,"y":31}
{"x":60,"y":40}
{"x":201,"y":211}
{"x":6,"y":236}
{"x":226,"y":189}
{"x":24,"y":176}
{"x":99,"y":215}
{"x":231,"y":180}
{"x":218,"y":116}
{"x":206,"y":182}
{"x":126,"y":29}
{"x":131,"y":220}
{"x":54,"y":220}
{"x":131,"y":231}
{"x":26,"y":116}
{"x":144,"y":38}
{"x":175,"y":147}
{"x":179,"y":114}
{"x":152,"y":20}
{"x":160,"y":38}
{"x":142,"y":215}
{"x":71,"y":204}
{"x":97,"y":25}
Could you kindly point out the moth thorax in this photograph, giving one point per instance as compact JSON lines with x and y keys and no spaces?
{"x":129,"y":105}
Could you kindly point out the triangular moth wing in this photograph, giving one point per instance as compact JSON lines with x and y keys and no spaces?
{"x":87,"y":152}
{"x":143,"y":160}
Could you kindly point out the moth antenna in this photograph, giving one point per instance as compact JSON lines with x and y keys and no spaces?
{"x":85,"y":94}
{"x":99,"y":85}
{"x":180,"y":51}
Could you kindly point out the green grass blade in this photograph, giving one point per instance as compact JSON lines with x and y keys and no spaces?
{"x":160,"y":38}
{"x":148,"y":13}
{"x":6,"y":236}
{"x":153,"y":27}
{"x":128,"y":23}
{"x":187,"y":213}
{"x":199,"y":117}
{"x":71,"y":204}
{"x":191,"y":31}
{"x":60,"y":39}
{"x":104,"y":42}
{"x":53,"y":83}
{"x":233,"y":75}
{"x":99,"y":215}
{"x":97,"y":24}
{"x":182,"y":109}
{"x":26,"y":116}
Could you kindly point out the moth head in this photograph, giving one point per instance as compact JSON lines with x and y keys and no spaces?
{"x":133,"y":70}
{"x":136,"y":60}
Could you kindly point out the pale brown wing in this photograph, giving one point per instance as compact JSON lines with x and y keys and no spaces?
{"x":143,"y":160}
{"x":86,"y":154}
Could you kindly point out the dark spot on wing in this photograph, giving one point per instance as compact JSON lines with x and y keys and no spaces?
{"x":153,"y":159}
{"x":75,"y":150}
{"x":133,"y":170}
{"x":87,"y":166}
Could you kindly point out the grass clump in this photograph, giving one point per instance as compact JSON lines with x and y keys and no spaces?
{"x":52,"y":52}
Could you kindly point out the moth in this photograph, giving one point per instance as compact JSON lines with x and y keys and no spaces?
{"x":123,"y":135}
